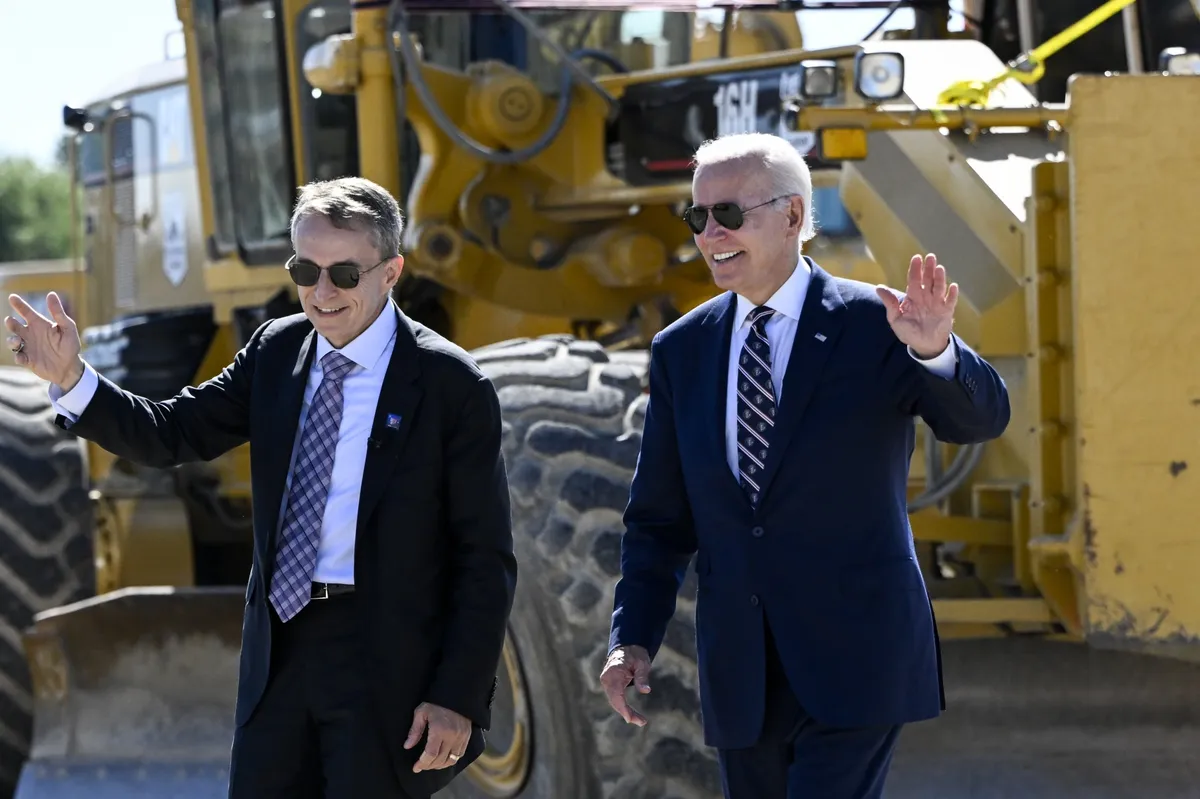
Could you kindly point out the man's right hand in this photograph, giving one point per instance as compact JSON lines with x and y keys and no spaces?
{"x":626,"y":665}
{"x":48,"y":347}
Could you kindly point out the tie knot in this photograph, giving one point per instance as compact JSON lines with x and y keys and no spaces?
{"x":336,"y":366}
{"x":760,"y":315}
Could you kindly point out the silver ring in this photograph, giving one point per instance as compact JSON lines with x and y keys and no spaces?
{"x":19,"y":349}
{"x":453,"y":757}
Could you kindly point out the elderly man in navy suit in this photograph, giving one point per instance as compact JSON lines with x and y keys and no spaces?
{"x":776,"y":450}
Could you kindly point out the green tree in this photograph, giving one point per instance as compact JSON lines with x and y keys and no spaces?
{"x":35,"y":211}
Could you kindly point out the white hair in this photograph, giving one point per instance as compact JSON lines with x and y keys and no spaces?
{"x":786,"y":172}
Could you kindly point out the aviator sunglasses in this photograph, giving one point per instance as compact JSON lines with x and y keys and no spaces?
{"x":344,"y":276}
{"x":728,"y":215}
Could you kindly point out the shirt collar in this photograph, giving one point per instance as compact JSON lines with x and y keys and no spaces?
{"x":367,"y":348}
{"x":787,"y":300}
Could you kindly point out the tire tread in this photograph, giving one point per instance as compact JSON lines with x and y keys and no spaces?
{"x":573,"y":415}
{"x":45,"y":543}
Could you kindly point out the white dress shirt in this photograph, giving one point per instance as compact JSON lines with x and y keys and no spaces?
{"x":371,"y":351}
{"x":781,"y":331}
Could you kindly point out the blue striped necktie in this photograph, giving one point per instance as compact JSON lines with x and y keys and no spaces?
{"x":755,"y":403}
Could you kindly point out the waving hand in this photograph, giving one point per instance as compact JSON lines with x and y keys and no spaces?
{"x":47,"y":347}
{"x":924,"y":318}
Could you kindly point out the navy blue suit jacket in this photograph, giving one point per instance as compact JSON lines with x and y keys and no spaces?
{"x":828,"y":554}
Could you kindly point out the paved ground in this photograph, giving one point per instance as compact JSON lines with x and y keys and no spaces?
{"x":1058,"y":723}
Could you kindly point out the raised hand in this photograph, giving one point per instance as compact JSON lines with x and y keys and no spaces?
{"x":924,"y":318}
{"x":626,"y":665}
{"x":47,"y":347}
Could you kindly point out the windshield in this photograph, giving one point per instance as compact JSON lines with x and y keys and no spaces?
{"x":246,"y":125}
{"x":92,"y":149}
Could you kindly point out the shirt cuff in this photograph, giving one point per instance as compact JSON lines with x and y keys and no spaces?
{"x":944,"y":364}
{"x":73,"y":403}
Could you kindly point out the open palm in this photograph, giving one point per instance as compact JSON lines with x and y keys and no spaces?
{"x":924,"y":318}
{"x":47,"y":347}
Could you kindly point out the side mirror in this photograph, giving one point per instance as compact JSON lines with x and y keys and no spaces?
{"x":75,"y":118}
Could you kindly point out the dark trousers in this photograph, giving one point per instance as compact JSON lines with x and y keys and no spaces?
{"x":313,"y":736}
{"x":798,"y":757}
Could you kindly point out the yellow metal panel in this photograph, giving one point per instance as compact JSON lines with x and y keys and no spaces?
{"x":957,"y":611}
{"x":929,"y":525}
{"x":34,"y":280}
{"x":233,"y":468}
{"x":1134,"y":168}
{"x":183,"y":9}
{"x":751,"y":33}
{"x":892,"y":243}
{"x":477,"y":323}
{"x":846,"y":258}
{"x":976,"y":178}
{"x":378,"y":139}
{"x":294,"y":80}
{"x":842,"y":144}
{"x":144,"y":541}
{"x":177,"y":203}
{"x":1002,"y":329}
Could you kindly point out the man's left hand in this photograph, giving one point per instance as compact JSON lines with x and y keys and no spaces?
{"x":924,"y":318}
{"x":448,"y":736}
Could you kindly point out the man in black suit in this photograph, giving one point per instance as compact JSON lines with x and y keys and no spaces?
{"x":776,"y":449}
{"x":383,"y":570}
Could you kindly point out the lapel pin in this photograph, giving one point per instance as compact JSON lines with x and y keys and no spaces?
{"x":393,"y":421}
{"x":819,"y":337}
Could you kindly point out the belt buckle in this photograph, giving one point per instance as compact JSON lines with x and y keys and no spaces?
{"x":323,"y":593}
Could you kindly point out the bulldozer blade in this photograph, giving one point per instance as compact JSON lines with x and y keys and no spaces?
{"x":1045,"y":719}
{"x":134,"y":695}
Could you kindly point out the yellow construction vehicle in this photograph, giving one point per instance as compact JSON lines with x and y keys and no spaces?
{"x":541,"y":156}
{"x":170,"y":274}
{"x":130,"y":286}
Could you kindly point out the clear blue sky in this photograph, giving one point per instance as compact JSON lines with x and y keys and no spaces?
{"x":66,"y":51}
{"x":54,"y":52}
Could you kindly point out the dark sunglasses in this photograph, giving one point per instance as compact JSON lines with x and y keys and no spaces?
{"x":728,"y":215}
{"x":344,"y":276}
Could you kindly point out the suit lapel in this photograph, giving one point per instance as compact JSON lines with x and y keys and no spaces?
{"x":714,"y":378}
{"x":393,"y":421}
{"x":820,"y":324}
{"x":282,"y":439}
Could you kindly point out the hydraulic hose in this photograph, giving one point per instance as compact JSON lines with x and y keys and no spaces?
{"x":944,"y":484}
{"x":398,"y":21}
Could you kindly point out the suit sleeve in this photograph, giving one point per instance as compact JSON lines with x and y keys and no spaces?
{"x":483,"y":563}
{"x":968,"y":406}
{"x":197,"y":424}
{"x":659,"y":538}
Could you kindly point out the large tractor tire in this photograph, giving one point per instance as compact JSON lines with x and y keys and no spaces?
{"x":573,"y":416}
{"x":45,"y":543}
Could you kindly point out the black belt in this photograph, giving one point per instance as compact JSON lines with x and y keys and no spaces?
{"x":327,"y":590}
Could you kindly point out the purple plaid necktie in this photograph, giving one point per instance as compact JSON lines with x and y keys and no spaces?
{"x":296,"y":558}
{"x":755,"y":402}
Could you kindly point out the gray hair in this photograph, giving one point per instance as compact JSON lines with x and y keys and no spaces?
{"x":786,"y":172}
{"x":354,"y":204}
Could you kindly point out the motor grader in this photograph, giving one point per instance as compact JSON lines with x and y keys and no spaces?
{"x":164,"y":284}
{"x":542,"y":156}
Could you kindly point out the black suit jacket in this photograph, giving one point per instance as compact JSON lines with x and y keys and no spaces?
{"x":434,"y":557}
